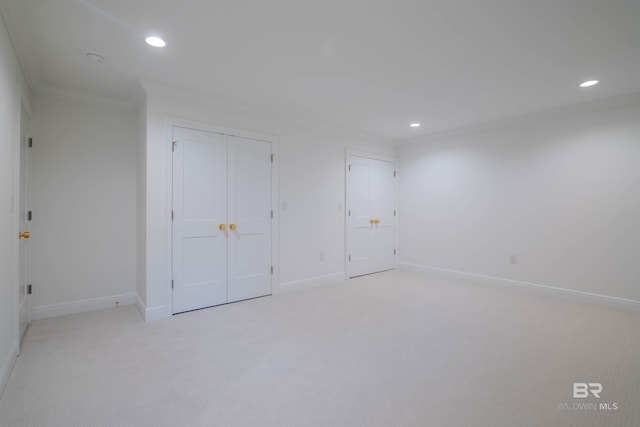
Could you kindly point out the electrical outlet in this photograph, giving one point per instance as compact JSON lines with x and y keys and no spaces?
{"x":513,"y":259}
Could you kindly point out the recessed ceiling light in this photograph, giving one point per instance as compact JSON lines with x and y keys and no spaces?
{"x":589,"y":83}
{"x":414,"y":125}
{"x":155,"y":41}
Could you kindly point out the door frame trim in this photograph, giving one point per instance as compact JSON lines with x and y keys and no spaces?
{"x":373,"y":156}
{"x":171,"y":122}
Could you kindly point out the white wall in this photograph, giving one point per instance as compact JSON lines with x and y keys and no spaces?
{"x":311,"y":162}
{"x":561,"y":191}
{"x":84,"y":202}
{"x":10,"y":75}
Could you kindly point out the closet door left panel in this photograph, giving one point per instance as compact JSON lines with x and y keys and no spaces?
{"x":199,"y":219}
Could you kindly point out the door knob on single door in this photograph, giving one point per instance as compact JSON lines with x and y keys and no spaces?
{"x":222,"y":227}
{"x":232,"y":226}
{"x":24,"y":235}
{"x":376,"y":221}
{"x":372,"y":221}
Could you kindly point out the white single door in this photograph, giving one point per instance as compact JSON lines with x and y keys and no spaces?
{"x":24,"y":298}
{"x":371,"y":215}
{"x":199,"y":219}
{"x":249,"y":256}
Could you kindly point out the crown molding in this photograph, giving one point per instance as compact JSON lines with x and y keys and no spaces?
{"x":554,"y":113}
{"x":171,"y":93}
{"x":24,"y":54}
{"x":74,"y":95}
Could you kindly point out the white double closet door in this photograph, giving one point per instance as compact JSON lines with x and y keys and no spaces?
{"x":221,"y":219}
{"x":371,"y":216}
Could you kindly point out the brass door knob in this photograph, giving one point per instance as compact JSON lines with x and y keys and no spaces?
{"x":377,"y":221}
{"x":372,"y":221}
{"x":24,"y":235}
{"x":222,"y":227}
{"x":232,"y":226}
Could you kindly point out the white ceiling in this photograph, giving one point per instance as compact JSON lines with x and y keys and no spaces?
{"x":372,"y":66}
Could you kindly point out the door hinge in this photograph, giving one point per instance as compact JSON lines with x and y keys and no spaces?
{"x":173,"y":145}
{"x":272,"y":269}
{"x":29,"y":289}
{"x":171,"y":215}
{"x":171,"y":283}
{"x":394,"y":251}
{"x":29,"y":215}
{"x":394,"y":212}
{"x":394,"y":174}
{"x":30,"y":142}
{"x":349,"y":168}
{"x":272,"y":156}
{"x":271,"y":214}
{"x":349,"y":212}
{"x":349,"y":257}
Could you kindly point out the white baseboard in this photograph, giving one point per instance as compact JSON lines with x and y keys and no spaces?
{"x":150,"y":314}
{"x":8,"y":360}
{"x":311,"y":282}
{"x":571,"y":293}
{"x":141,"y":306}
{"x":54,"y":310}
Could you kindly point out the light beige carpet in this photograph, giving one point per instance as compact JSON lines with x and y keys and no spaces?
{"x":392,"y":349}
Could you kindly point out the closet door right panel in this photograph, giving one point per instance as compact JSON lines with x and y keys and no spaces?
{"x":383,"y":236}
{"x":249,"y":207}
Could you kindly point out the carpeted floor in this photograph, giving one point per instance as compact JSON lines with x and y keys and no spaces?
{"x":391,"y":349}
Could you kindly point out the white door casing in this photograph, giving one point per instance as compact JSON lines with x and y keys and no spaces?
{"x":199,"y":210}
{"x":249,"y":243}
{"x":371,"y":215}
{"x":222,"y":219}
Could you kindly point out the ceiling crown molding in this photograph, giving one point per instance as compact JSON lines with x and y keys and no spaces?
{"x":20,"y":37}
{"x":73,"y":95}
{"x":569,"y":110}
{"x":172,"y":93}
